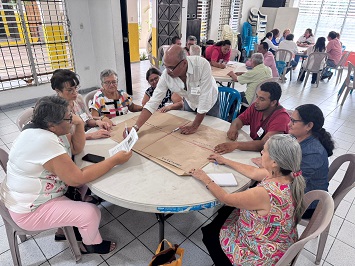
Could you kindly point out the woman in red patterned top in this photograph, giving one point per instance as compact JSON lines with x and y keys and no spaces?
{"x":263,"y":224}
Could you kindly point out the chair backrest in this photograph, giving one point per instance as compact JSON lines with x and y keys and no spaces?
{"x":161,"y":52}
{"x":261,"y":83}
{"x":227,"y":96}
{"x":24,"y":118}
{"x":320,"y":220}
{"x":4,"y":157}
{"x":348,"y":181}
{"x":88,"y":97}
{"x":283,"y":55}
{"x":153,"y":61}
{"x":343,"y":59}
{"x":316,"y":61}
{"x":235,"y":55}
{"x":351,"y":72}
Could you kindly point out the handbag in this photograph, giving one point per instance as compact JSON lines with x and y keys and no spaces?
{"x":168,"y":255}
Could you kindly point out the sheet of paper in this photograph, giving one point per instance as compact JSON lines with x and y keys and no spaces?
{"x":224,"y":179}
{"x":126,"y":144}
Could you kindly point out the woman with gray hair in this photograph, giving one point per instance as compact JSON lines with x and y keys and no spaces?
{"x":109,"y":102}
{"x":40,"y":169}
{"x":263,"y":224}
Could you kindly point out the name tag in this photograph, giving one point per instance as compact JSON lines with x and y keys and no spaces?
{"x":195,"y":90}
{"x":260,"y":132}
{"x":84,"y":117}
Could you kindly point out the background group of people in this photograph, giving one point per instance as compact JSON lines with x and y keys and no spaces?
{"x":294,"y":158}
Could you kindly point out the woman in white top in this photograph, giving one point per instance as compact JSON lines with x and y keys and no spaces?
{"x":40,"y":169}
{"x":267,"y":39}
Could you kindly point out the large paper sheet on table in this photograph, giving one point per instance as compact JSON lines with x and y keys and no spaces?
{"x":172,"y":150}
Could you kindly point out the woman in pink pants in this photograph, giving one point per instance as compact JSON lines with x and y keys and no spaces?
{"x":40,"y":169}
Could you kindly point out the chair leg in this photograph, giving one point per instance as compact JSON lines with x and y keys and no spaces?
{"x":73,"y":243}
{"x":321,"y":244}
{"x":23,"y":238}
{"x":13,"y":244}
{"x":290,"y":74}
{"x":305,"y":80}
{"x":345,"y":94}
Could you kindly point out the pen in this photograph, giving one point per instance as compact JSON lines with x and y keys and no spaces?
{"x":126,"y":129}
{"x":176,"y":129}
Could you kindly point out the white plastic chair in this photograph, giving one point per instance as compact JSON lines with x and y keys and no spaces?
{"x":340,"y":66}
{"x":348,"y":84}
{"x":24,"y":118}
{"x":13,"y":230}
{"x":345,"y":186}
{"x":284,"y":55}
{"x":88,"y":97}
{"x":319,"y":222}
{"x":315,"y":64}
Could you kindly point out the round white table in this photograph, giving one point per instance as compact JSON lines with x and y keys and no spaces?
{"x":143,"y":185}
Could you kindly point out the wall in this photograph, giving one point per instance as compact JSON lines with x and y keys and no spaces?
{"x":97,"y":45}
{"x":133,"y":30}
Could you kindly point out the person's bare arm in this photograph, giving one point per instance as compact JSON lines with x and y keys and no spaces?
{"x":145,"y":99}
{"x":255,"y":198}
{"x":77,"y":139}
{"x":72,"y":175}
{"x":177,"y":104}
{"x":252,"y":172}
{"x":219,"y":65}
{"x":135,"y":108}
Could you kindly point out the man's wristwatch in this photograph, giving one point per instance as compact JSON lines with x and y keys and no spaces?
{"x":136,"y":127}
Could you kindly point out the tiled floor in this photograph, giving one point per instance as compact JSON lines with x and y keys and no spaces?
{"x":137,"y":232}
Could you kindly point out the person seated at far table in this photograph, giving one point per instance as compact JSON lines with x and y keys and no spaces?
{"x":109,"y":102}
{"x":253,"y":77}
{"x":219,"y":54}
{"x":334,"y":52}
{"x":265,"y":116}
{"x":195,"y":50}
{"x":171,"y":101}
{"x":275,"y":36}
{"x":284,"y":34}
{"x":307,"y":39}
{"x":191,"y":40}
{"x":291,"y":46}
{"x":41,"y":168}
{"x":267,"y":39}
{"x":258,"y":225}
{"x":66,"y":83}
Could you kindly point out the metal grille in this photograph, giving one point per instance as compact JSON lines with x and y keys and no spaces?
{"x":236,"y":9}
{"x":169,"y":16}
{"x":34,"y":41}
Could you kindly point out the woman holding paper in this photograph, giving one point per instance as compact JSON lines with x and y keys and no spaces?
{"x":40,"y":169}
{"x":263,"y":225}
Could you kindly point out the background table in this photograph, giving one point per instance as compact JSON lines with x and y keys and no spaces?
{"x":142,"y":185}
{"x":221,"y":75}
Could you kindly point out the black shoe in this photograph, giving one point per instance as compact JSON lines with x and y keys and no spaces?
{"x":59,"y":238}
{"x":330,"y":76}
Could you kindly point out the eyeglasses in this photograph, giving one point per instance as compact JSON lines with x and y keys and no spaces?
{"x":70,"y":119}
{"x":293,"y":121}
{"x":114,"y":82}
{"x":73,"y":89}
{"x":153,"y":79}
{"x":171,"y":69}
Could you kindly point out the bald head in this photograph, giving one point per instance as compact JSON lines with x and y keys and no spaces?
{"x":174,"y":57}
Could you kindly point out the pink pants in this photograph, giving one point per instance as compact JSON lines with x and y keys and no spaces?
{"x":61,"y":212}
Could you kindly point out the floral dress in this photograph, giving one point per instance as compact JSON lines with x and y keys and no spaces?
{"x":248,"y":238}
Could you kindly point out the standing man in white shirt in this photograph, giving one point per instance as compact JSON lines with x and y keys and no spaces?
{"x":191,"y":78}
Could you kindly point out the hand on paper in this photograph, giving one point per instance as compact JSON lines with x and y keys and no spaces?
{"x":257,"y":161}
{"x":108,"y":120}
{"x":104,"y":124}
{"x":122,"y":156}
{"x":225,"y":147}
{"x":164,"y":109}
{"x":188,"y":130}
{"x":199,"y":174}
{"x":100,"y":134}
{"x":216,"y":158}
{"x":232,"y":133}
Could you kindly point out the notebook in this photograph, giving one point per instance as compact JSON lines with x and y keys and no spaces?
{"x":224,"y":179}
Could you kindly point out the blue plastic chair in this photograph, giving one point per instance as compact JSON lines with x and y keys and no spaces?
{"x":228,"y":97}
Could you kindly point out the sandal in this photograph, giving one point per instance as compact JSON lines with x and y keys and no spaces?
{"x":93,"y":199}
{"x":103,"y":248}
{"x":61,"y":237}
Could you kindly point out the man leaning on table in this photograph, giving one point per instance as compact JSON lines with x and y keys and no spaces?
{"x":191,"y":78}
{"x":265,"y":116}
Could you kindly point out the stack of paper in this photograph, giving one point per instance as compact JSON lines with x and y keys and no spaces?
{"x":224,"y":180}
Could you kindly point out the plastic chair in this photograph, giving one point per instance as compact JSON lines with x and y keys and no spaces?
{"x":24,"y":118}
{"x":283,"y":57}
{"x":13,"y":230}
{"x":340,"y":66}
{"x":88,"y":97}
{"x":227,"y":97}
{"x":345,"y":186}
{"x":348,"y":84}
{"x":315,"y":64}
{"x":318,"y":223}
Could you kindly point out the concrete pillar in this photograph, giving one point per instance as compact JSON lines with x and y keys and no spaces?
{"x":145,"y":23}
{"x":214,"y":24}
{"x":154,"y":28}
{"x":132,"y":12}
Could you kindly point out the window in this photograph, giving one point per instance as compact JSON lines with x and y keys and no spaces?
{"x":34,"y":41}
{"x":203,"y":13}
{"x":323,"y":16}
